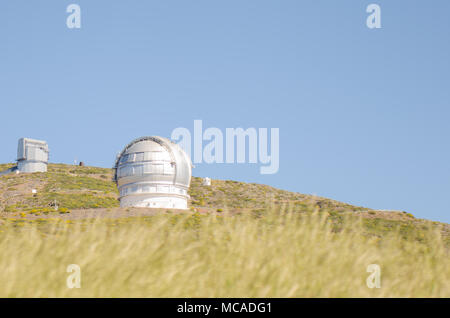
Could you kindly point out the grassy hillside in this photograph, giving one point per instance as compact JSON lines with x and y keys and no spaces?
{"x":75,"y":187}
{"x":279,"y":254}
{"x":76,"y":190}
{"x":237,"y":240}
{"x":72,"y":187}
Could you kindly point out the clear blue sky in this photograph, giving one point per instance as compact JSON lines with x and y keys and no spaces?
{"x":363,"y":114}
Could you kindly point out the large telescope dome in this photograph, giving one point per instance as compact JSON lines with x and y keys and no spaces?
{"x":153,"y":172}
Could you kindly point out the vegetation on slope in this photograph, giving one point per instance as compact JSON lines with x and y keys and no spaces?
{"x":72,"y":188}
{"x":75,"y":187}
{"x":273,"y":254}
{"x":68,"y":187}
{"x":238,"y":240}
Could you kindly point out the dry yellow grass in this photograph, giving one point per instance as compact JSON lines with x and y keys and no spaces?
{"x":168,"y":255}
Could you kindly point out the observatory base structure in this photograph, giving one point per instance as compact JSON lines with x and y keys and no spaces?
{"x":153,"y":172}
{"x":30,"y":166}
{"x":157,"y":201}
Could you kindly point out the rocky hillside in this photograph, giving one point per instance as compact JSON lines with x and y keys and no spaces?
{"x":68,"y":191}
{"x":74,"y":187}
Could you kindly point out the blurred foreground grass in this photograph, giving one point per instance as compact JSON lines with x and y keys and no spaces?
{"x":270,"y":254}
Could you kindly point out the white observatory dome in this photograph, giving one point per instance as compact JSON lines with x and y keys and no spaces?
{"x":153,"y":172}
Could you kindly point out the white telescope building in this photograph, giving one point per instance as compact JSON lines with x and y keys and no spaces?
{"x":153,"y":172}
{"x":32,"y":155}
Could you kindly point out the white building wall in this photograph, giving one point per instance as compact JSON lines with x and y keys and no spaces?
{"x":163,"y":202}
{"x":30,"y":166}
{"x":206,"y":182}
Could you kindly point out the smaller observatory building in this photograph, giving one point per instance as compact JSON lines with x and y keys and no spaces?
{"x":153,"y":172}
{"x":32,"y":155}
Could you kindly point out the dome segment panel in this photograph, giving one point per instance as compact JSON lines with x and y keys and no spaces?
{"x":183,"y":164}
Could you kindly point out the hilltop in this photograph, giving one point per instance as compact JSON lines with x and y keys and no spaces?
{"x":74,"y":192}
